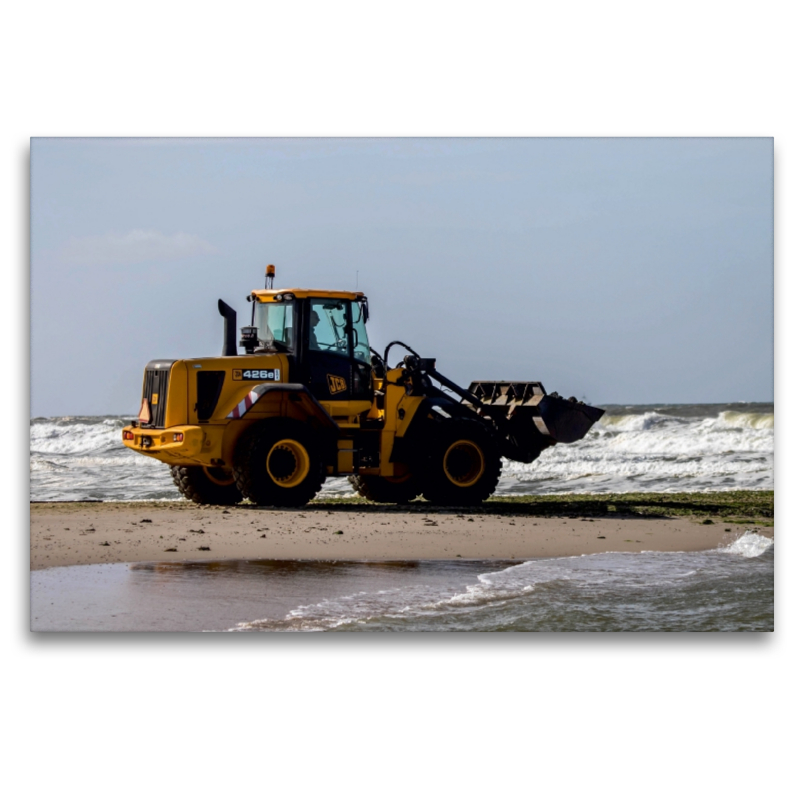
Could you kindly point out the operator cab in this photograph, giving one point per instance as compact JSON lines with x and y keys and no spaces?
{"x":324,"y":334}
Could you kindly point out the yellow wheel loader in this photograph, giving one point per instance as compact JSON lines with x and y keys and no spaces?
{"x":309,"y":399}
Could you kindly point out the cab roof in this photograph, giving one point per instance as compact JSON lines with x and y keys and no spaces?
{"x":269,"y":295}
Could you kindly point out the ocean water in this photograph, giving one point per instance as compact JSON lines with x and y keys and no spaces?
{"x":727,"y":589}
{"x":676,"y":448}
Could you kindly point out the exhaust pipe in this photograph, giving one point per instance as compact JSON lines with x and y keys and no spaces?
{"x":229,"y":331}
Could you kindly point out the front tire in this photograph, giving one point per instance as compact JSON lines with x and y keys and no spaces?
{"x":462,"y":467}
{"x":386,"y":490}
{"x":278,"y":464}
{"x":212,"y":486}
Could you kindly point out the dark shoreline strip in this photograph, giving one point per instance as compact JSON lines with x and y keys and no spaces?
{"x":745,"y":507}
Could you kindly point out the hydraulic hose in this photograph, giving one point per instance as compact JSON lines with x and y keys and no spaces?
{"x":391,"y":345}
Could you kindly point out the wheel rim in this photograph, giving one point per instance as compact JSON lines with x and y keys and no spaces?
{"x":464,"y":463}
{"x":219,"y":476}
{"x":288,"y":463}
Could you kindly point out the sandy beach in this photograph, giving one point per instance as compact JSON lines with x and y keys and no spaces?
{"x":66,"y":534}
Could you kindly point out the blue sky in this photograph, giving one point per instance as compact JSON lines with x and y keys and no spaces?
{"x":619,"y":270}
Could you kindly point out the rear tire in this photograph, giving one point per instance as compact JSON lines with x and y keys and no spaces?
{"x":386,"y":490}
{"x":212,"y":486}
{"x":278,"y":464}
{"x":462,"y":467}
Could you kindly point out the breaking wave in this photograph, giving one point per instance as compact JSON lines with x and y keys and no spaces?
{"x":631,"y":449}
{"x":666,"y":450}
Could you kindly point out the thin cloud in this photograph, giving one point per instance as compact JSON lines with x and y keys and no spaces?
{"x":134,"y":247}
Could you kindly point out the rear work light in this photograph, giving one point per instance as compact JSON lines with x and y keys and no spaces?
{"x":127,"y":434}
{"x":177,"y":437}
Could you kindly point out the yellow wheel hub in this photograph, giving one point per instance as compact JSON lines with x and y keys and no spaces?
{"x":288,"y":463}
{"x":219,"y":476}
{"x":464,"y":463}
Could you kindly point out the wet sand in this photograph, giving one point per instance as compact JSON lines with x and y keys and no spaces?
{"x":68,"y":534}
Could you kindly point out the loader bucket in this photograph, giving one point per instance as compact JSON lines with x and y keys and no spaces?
{"x":567,"y":421}
{"x":534,"y":416}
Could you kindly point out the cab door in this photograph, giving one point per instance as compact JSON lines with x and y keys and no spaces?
{"x":337,"y":352}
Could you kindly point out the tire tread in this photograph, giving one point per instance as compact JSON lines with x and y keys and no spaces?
{"x":193,"y":484}
{"x":258,"y":490}
{"x":378,"y":490}
{"x":435,"y":488}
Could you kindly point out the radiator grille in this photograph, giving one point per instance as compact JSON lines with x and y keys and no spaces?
{"x":156,"y":382}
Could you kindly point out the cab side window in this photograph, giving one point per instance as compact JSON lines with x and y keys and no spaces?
{"x":328,"y":327}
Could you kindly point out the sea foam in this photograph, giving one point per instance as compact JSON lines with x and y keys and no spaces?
{"x":749,"y":545}
{"x":669,"y":449}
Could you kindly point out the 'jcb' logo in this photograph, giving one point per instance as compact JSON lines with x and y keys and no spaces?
{"x":336,"y":384}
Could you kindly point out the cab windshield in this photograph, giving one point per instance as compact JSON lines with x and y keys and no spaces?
{"x":275,"y":323}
